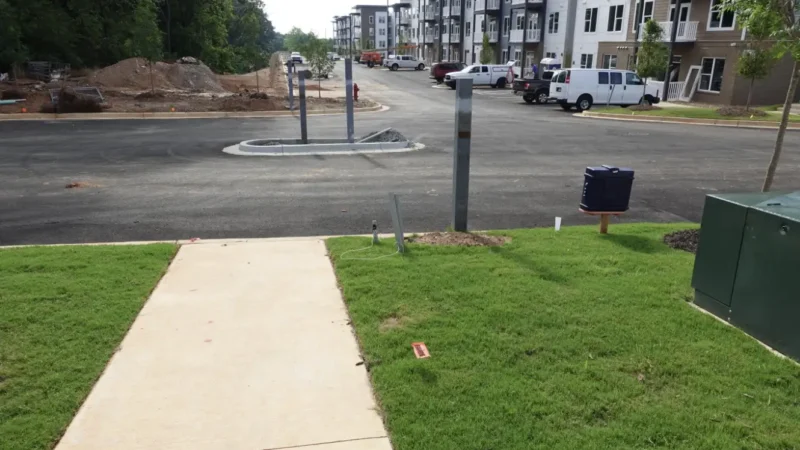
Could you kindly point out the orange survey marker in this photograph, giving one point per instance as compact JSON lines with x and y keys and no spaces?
{"x":420,"y":350}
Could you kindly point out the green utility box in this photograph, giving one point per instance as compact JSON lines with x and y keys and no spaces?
{"x":746,"y":264}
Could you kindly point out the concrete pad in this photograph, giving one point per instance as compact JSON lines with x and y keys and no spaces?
{"x":241,"y":346}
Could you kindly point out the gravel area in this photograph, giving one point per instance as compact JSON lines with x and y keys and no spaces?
{"x":462,"y":239}
{"x":683,"y":240}
{"x":390,"y":135}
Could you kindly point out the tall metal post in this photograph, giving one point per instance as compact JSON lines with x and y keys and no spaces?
{"x":673,"y":35}
{"x":303,"y":124}
{"x":463,"y":139}
{"x":348,"y":76}
{"x":289,"y":70}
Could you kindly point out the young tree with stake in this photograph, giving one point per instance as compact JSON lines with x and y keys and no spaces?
{"x":778,"y":21}
{"x":318,"y":61}
{"x":486,"y":50}
{"x":653,"y":54}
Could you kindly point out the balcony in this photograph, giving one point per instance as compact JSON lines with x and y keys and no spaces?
{"x":520,"y":3}
{"x":454,"y":38}
{"x":429,"y":37}
{"x":487,"y":6}
{"x":429,"y":14}
{"x":687,"y":31}
{"x":478,"y":37}
{"x":404,"y":20}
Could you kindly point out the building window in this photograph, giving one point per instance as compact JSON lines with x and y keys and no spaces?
{"x":587,"y":60}
{"x":551,"y":55}
{"x":381,"y":19}
{"x":517,"y":56}
{"x":719,"y":19}
{"x":506,"y":22}
{"x":609,"y":61}
{"x":382,"y":31}
{"x":552,"y":23}
{"x":615,"y":18}
{"x":468,"y":29}
{"x":371,"y":20}
{"x":372,"y":31}
{"x":711,"y":74}
{"x":648,"y":12}
{"x":504,"y":56}
{"x":520,"y":22}
{"x":590,"y":20}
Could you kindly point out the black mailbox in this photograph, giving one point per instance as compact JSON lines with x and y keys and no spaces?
{"x":606,"y":189}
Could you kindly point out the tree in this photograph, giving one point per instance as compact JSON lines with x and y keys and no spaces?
{"x":316,"y":53}
{"x":754,"y":64}
{"x":779,"y":21}
{"x":486,"y":50}
{"x":145,"y":38}
{"x":653,"y":54}
{"x":296,"y":40}
{"x":12,"y":52}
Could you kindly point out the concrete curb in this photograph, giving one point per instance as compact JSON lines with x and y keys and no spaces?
{"x":324,"y":149}
{"x":752,"y":124}
{"x":177,"y":115}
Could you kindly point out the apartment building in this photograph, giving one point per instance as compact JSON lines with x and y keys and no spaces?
{"x":707,"y":46}
{"x":366,"y":27}
{"x":587,"y":34}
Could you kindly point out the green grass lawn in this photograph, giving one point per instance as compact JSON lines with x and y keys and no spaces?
{"x":63,"y":311}
{"x":568,"y":340}
{"x":692,"y":113}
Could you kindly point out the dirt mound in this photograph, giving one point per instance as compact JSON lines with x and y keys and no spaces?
{"x":462,"y":239}
{"x":738,"y":111}
{"x":134,"y":73}
{"x":683,"y":240}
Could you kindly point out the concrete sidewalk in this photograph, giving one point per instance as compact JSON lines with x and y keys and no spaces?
{"x":241,"y":346}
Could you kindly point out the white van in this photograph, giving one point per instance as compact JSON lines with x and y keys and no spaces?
{"x":494,"y":75}
{"x":583,"y":88}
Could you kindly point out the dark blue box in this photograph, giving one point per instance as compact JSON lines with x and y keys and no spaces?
{"x":607,"y":189}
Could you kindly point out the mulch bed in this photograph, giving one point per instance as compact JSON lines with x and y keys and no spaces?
{"x":460,"y":239}
{"x":685,"y":240}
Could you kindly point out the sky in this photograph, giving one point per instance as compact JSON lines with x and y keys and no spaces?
{"x":310,"y":15}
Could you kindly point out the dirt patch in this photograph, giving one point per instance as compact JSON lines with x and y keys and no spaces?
{"x":391,"y":323}
{"x":461,"y":239}
{"x":390,"y":135}
{"x":643,"y":108}
{"x":150,"y":95}
{"x":685,"y":240}
{"x":11,"y":94}
{"x":81,"y":185}
{"x":738,"y":111}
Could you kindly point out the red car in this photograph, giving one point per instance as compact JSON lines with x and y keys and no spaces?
{"x":439,"y":70}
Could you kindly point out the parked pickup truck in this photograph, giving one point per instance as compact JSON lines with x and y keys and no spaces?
{"x":534,"y":89}
{"x":494,"y":75}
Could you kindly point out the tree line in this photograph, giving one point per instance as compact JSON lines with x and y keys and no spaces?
{"x":227,"y":35}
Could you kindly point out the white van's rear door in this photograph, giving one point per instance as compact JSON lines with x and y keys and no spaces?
{"x":558,"y":86}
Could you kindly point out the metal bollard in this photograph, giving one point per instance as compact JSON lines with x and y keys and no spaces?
{"x":461,"y":153}
{"x":303,"y":120}
{"x":348,"y":75}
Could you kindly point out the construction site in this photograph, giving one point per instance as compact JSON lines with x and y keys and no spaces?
{"x":136,"y":86}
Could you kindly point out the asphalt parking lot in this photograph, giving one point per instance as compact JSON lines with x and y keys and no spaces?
{"x":168,"y":179}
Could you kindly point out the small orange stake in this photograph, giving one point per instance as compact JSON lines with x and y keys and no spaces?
{"x":24,"y":110}
{"x":420,"y":350}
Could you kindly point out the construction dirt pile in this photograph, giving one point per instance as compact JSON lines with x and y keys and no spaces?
{"x":134,"y":74}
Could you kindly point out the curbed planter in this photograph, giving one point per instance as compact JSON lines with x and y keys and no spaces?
{"x":295,"y":147}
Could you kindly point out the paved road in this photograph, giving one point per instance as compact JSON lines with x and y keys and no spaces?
{"x":169,"y":179}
